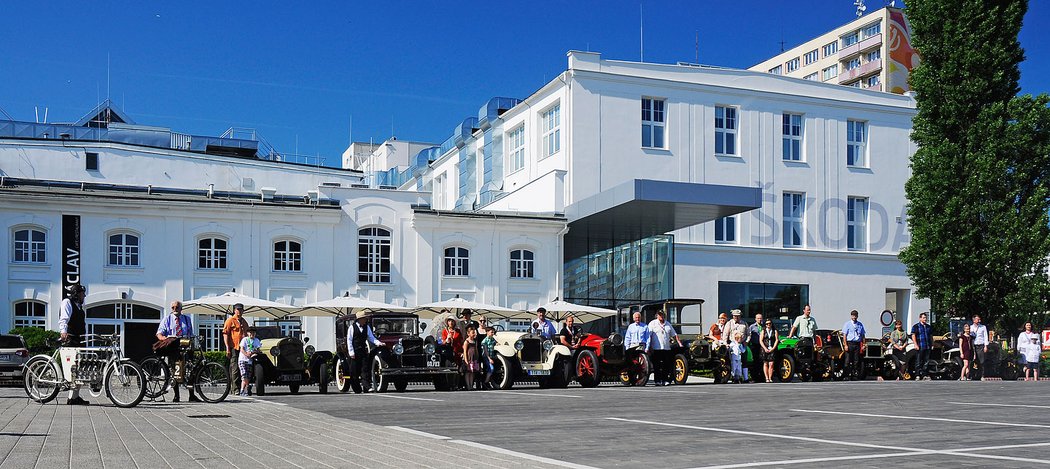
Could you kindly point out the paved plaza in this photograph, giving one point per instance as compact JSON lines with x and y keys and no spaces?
{"x":860,"y":424}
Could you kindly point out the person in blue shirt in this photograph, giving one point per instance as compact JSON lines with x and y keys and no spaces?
{"x":544,"y":327}
{"x":176,"y":324}
{"x":637,"y":333}
{"x":922,"y":337}
{"x":853,"y":330}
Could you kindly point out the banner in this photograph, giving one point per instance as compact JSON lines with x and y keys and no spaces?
{"x":70,"y":252}
{"x":1046,"y":339}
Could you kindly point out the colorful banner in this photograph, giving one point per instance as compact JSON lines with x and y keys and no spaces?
{"x":903,"y":59}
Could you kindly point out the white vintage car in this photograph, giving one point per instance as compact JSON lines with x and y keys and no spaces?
{"x":525,"y":356}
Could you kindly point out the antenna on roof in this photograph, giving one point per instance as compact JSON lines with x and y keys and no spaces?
{"x":860,"y":7}
{"x":641,"y":34}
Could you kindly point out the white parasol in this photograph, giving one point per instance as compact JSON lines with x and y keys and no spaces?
{"x":223,"y":304}
{"x":346,"y":304}
{"x":457,"y":305}
{"x":558,"y":310}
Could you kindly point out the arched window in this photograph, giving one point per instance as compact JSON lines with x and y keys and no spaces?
{"x":30,"y":245}
{"x":287,"y":256}
{"x":373,"y":255}
{"x":211,"y":253}
{"x":457,"y":262}
{"x":522,"y":263}
{"x":30,"y":313}
{"x":123,"y":250}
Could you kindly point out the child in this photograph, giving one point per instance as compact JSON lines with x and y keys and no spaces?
{"x":471,"y":363}
{"x":736,"y":350}
{"x":249,"y":348}
{"x":488,"y":348}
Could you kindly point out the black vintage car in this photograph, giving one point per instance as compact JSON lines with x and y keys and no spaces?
{"x":404,"y":357}
{"x":289,"y":361}
{"x":695,"y":352}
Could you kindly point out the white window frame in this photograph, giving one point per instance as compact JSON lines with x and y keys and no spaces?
{"x":794,"y":216}
{"x":850,"y":39}
{"x":725,"y":230}
{"x":871,"y":30}
{"x":857,"y":223}
{"x":792,"y":130}
{"x":374,"y":240}
{"x":213,"y":257}
{"x":551,"y":125}
{"x":128,"y":253}
{"x":209,"y":328}
{"x":458,"y":263}
{"x":522,"y":264}
{"x":516,"y":149}
{"x":654,"y":122}
{"x":811,"y":56}
{"x":852,"y":64}
{"x":856,"y":143}
{"x":778,"y":70}
{"x":815,"y":76}
{"x":792,"y":65}
{"x":287,"y":255}
{"x":873,"y":56}
{"x":30,"y":250}
{"x":829,"y":72}
{"x":726,"y":128}
{"x":830,"y":48}
{"x":35,"y":314}
{"x":873,"y":80}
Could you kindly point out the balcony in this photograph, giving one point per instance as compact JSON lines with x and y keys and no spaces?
{"x":866,"y":69}
{"x":875,"y":87}
{"x":868,"y":43}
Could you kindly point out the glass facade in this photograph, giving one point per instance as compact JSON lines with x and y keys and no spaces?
{"x":637,"y":271}
{"x":765,"y":298}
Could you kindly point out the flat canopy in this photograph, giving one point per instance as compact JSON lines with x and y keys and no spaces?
{"x":642,"y":208}
{"x":223,"y":304}
{"x":342,"y":305}
{"x":558,"y":310}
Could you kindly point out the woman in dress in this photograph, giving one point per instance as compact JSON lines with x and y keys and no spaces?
{"x":966,"y":347}
{"x":768,"y":340}
{"x":471,"y":357}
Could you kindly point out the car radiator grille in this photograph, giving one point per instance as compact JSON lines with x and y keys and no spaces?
{"x":291,"y":357}
{"x":612,"y":352}
{"x":531,"y":350}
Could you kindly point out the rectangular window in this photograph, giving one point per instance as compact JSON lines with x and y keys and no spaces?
{"x":872,"y":81}
{"x":855,"y":84}
{"x":516,"y":149}
{"x":30,"y":246}
{"x":852,"y":64}
{"x":874,"y":55}
{"x":872,"y":30}
{"x":811,"y":76}
{"x":811,"y":56}
{"x":457,"y":262}
{"x":653,"y":122}
{"x":792,"y":131}
{"x":776,"y":70}
{"x":850,"y":40}
{"x":830,"y":49}
{"x":725,"y":230}
{"x":830,"y":72}
{"x":725,"y":130}
{"x":856,"y":143}
{"x":373,"y":255}
{"x":792,"y":64}
{"x":522,"y":264}
{"x":857,"y":224}
{"x":551,"y":130}
{"x":91,"y":161}
{"x":772,"y":300}
{"x":30,"y":314}
{"x":794,"y":214}
{"x":209,"y":328}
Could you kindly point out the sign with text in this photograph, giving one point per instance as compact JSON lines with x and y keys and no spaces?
{"x":70,"y":252}
{"x":1046,"y":339}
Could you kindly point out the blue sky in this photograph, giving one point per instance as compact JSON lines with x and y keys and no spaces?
{"x":297,"y":71}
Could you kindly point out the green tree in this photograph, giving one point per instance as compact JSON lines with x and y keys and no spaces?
{"x":37,"y":339}
{"x":978,"y":193}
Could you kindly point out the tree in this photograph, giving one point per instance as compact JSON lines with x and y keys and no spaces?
{"x":979,"y":193}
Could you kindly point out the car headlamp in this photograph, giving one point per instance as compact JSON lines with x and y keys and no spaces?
{"x":275,"y":351}
{"x":548,"y":345}
{"x":519,"y":345}
{"x":398,"y":349}
{"x":310,"y":350}
{"x":429,"y":349}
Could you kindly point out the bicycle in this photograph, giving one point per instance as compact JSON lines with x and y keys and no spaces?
{"x":210,"y":379}
{"x":100,"y":368}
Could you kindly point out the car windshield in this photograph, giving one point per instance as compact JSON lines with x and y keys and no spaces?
{"x":11,"y":341}
{"x":782,"y":326}
{"x":267,"y":332}
{"x":401,"y":325}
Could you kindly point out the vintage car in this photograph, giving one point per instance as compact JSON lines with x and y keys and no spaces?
{"x":526,"y":356}
{"x":289,"y":361}
{"x":597,"y":357}
{"x":802,"y":357}
{"x":684,"y":360}
{"x":404,"y":357}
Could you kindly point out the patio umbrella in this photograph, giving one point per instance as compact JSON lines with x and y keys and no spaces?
{"x":558,"y":310}
{"x":457,"y":305}
{"x":346,"y":304}
{"x":223,"y":304}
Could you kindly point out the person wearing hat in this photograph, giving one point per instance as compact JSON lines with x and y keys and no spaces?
{"x":233,"y":331}
{"x":544,"y":326}
{"x":467,"y":321}
{"x":72,"y":324}
{"x":358,"y":336}
{"x":715,"y":333}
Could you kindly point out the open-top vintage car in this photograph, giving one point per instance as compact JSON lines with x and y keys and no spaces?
{"x":526,"y":356}
{"x":404,"y":356}
{"x":803,"y":357}
{"x":684,"y":360}
{"x":596,"y":357}
{"x":289,"y":361}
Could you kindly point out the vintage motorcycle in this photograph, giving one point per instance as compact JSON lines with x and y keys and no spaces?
{"x":100,"y":368}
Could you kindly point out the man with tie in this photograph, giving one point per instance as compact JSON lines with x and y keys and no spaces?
{"x":176,"y":324}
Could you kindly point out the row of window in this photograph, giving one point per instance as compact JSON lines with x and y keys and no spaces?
{"x":550,"y":143}
{"x":831,"y":49}
{"x":727,"y":128}
{"x":793,"y":221}
{"x":457,"y":263}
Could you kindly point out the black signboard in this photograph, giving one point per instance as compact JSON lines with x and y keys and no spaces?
{"x":70,"y":252}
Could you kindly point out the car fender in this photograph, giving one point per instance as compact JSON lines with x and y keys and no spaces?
{"x":558,"y":351}
{"x":506,"y":350}
{"x":317,"y":360}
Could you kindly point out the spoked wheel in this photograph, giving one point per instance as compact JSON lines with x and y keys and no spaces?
{"x":786,"y":368}
{"x":681,"y":369}
{"x":158,"y":376}
{"x":379,"y":380}
{"x":503,"y":372}
{"x":125,"y":384}
{"x":342,"y":380}
{"x":41,"y":380}
{"x":636,"y":373}
{"x":212,"y":382}
{"x":322,"y":378}
{"x":587,"y":369}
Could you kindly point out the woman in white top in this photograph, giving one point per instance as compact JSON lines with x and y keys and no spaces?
{"x":1028,"y":345}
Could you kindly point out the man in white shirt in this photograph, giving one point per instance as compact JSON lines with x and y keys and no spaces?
{"x":660,"y":334}
{"x":980,"y":344}
{"x":734,"y":325}
{"x":359,"y":336}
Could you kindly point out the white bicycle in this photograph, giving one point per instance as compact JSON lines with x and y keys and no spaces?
{"x":100,"y":368}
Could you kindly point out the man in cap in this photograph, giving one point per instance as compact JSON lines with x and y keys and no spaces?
{"x":358,"y":337}
{"x":734,"y":325}
{"x":545,"y":327}
{"x":72,"y":325}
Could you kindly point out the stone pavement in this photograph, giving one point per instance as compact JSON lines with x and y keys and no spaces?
{"x":236,"y":433}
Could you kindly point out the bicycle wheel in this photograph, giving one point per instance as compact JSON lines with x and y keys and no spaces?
{"x":211,"y":380}
{"x":41,"y":380}
{"x":125,"y":383}
{"x":158,"y":376}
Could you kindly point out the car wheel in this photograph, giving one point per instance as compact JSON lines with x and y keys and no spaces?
{"x":442,"y":383}
{"x":587,"y":373}
{"x":400,"y":385}
{"x":956,"y":370}
{"x":503,"y":374}
{"x":293,"y":388}
{"x":379,"y":380}
{"x":681,"y":369}
{"x":561,"y":374}
{"x":260,"y":380}
{"x":322,"y":378}
{"x":785,"y":368}
{"x":342,"y":381}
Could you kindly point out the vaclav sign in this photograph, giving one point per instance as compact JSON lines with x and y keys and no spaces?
{"x":70,"y":252}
